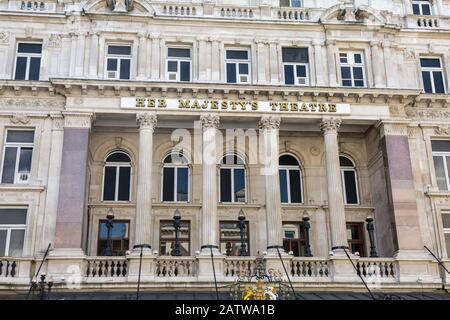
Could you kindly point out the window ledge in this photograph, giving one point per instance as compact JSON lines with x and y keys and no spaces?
{"x":438,"y":193}
{"x":21,"y":188}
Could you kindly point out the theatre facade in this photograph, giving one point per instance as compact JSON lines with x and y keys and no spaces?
{"x":182,"y":130}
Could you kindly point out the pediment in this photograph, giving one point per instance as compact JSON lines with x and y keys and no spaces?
{"x":348,"y":13}
{"x":119,"y":6}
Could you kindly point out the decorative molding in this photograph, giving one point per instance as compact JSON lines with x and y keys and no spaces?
{"x":269,"y":122}
{"x":330,"y":125}
{"x":209,"y":121}
{"x":442,"y":130}
{"x":78,"y":120}
{"x":20,"y":118}
{"x":394,"y":129}
{"x":314,"y":150}
{"x":54,"y":41}
{"x":118,"y":141}
{"x":147,"y":120}
{"x":427,"y":113}
{"x":32,"y":103}
{"x":4,"y":37}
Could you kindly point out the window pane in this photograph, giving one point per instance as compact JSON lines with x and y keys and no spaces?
{"x":357,"y":73}
{"x":125,"y":69}
{"x":438,"y":82}
{"x":359,"y":83}
{"x":446,"y":221}
{"x":124,"y":183}
{"x":239,"y":185}
{"x":345,"y":162}
{"x":29,"y":48}
{"x":237,"y":54}
{"x":109,"y":187}
{"x":3,"y":235}
{"x":283,"y":186}
{"x":288,"y":160}
{"x":35,"y":65}
{"x":16,"y":243}
{"x":343,"y":57}
{"x":301,"y":71}
{"x":284,"y":3}
{"x":440,"y":145}
{"x":182,"y":184}
{"x":25,"y":160}
{"x":172,"y":66}
{"x":440,"y":172}
{"x":231,"y":72}
{"x":9,"y":165}
{"x":350,"y":187}
{"x":426,"y":9}
{"x":225,"y":185}
{"x":21,"y":67}
{"x":296,"y":3}
{"x":119,"y":50}
{"x":185,"y":71}
{"x":357,"y":58}
{"x":178,"y":52}
{"x":243,"y":68}
{"x":289,"y":74}
{"x":416,"y":9}
{"x":295,"y":55}
{"x":345,"y":73}
{"x":447,"y":243}
{"x":112,"y":65}
{"x":13,"y":216}
{"x":296,"y":191}
{"x":118,"y":157}
{"x":25,"y":136}
{"x":168,"y":184}
{"x":427,"y":82}
{"x":347,"y":83}
{"x":430,"y":63}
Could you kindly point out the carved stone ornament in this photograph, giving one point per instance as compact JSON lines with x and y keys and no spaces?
{"x":4,"y":37}
{"x":34,"y":103}
{"x":441,"y":130}
{"x":330,"y":125}
{"x":269,"y":122}
{"x":20,"y":118}
{"x":427,"y":113}
{"x":209,"y":121}
{"x":54,"y":41}
{"x":78,"y":120}
{"x":147,"y":120}
{"x":120,"y":5}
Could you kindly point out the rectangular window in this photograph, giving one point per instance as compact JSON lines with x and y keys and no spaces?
{"x":167,"y":237}
{"x":118,"y":62}
{"x":230,"y":238}
{"x":432,"y":75}
{"x":17,"y":156}
{"x":237,"y":66}
{"x":352,"y":69}
{"x":295,"y":66}
{"x":421,"y":7}
{"x":293,"y":238}
{"x":179,"y":64}
{"x":355,"y":238}
{"x":28,"y":61}
{"x":291,"y":3}
{"x":12,"y":231}
{"x":441,"y":159}
{"x":446,"y":226}
{"x":232,"y":185}
{"x":290,"y":185}
{"x":118,"y":239}
{"x":175,"y":184}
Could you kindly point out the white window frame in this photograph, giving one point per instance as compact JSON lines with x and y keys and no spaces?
{"x":445,"y":230}
{"x":430,"y":70}
{"x":233,"y":167}
{"x":444,"y":155}
{"x":237,"y":62}
{"x":420,"y":4}
{"x":117,"y":165}
{"x":301,"y":4}
{"x":10,"y":227}
{"x":296,"y":81}
{"x":289,"y":168}
{"x":178,"y":60}
{"x":176,"y":166}
{"x":344,"y":169}
{"x":118,"y":57}
{"x":28,"y":56}
{"x":19,"y":146}
{"x":351,"y":64}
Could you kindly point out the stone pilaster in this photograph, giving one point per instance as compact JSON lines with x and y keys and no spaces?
{"x":156,"y":54}
{"x":93,"y":55}
{"x":331,"y":59}
{"x":379,"y":76}
{"x":330,"y":127}
{"x":215,"y":62}
{"x":202,"y":60}
{"x":273,"y":62}
{"x":269,"y":130}
{"x":79,"y":63}
{"x":144,"y":220}
{"x":318,"y":62}
{"x":142,"y":56}
{"x":262,"y":59}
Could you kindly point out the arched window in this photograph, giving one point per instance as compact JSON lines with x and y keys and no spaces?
{"x":290,"y":180}
{"x":349,"y":180}
{"x":117,"y":177}
{"x":175,"y":179}
{"x":232,"y":179}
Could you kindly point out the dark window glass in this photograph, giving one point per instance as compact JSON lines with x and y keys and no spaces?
{"x":416,"y":9}
{"x":185,"y":71}
{"x":21,"y":68}
{"x":178,"y":52}
{"x":243,"y":68}
{"x":288,"y":160}
{"x":357,"y":73}
{"x":25,"y":136}
{"x":446,"y":221}
{"x":111,"y":65}
{"x":109,"y":184}
{"x":283,"y":186}
{"x":231,"y":73}
{"x":29,"y":48}
{"x":237,"y":54}
{"x":350,"y":187}
{"x":293,"y":238}
{"x":16,"y":243}
{"x":440,"y":172}
{"x":239,"y":185}
{"x":119,"y":50}
{"x":175,"y":158}
{"x":301,"y":71}
{"x":230,"y":238}
{"x":124,"y":183}
{"x":3,"y":235}
{"x":440,"y":145}
{"x":9,"y":165}
{"x":438,"y":82}
{"x":357,"y":58}
{"x":359,"y":83}
{"x":13,"y":216}
{"x":125,"y":69}
{"x":345,"y":162}
{"x":168,"y":184}
{"x":289,"y":74}
{"x":355,"y":238}
{"x":25,"y":159}
{"x":225,"y":185}
{"x":119,"y":238}
{"x":430,"y":63}
{"x":118,"y":157}
{"x":347,"y":83}
{"x":346,"y":73}
{"x":426,"y":10}
{"x":295,"y":55}
{"x":35,"y":65}
{"x":232,"y":159}
{"x":172,"y":66}
{"x":427,"y":82}
{"x":182,"y":184}
{"x":296,"y":191}
{"x":167,"y":238}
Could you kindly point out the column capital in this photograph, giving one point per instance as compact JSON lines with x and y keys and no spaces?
{"x":209,"y":121}
{"x":330,"y":42}
{"x":330,"y":125}
{"x":375,"y":43}
{"x":143,"y":34}
{"x":146,"y":120}
{"x":269,"y":122}
{"x":78,"y":120}
{"x":317,"y":42}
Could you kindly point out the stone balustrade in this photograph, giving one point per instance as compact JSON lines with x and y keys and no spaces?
{"x":292,"y":14}
{"x":180,"y":10}
{"x":238,"y":266}
{"x":8,"y":268}
{"x":172,"y":267}
{"x":99,"y":267}
{"x":236,"y":13}
{"x":377,"y":268}
{"x":301,"y":267}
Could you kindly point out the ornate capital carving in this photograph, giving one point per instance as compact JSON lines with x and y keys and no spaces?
{"x":54,"y":41}
{"x":394,"y":129}
{"x":209,"y":121}
{"x":78,"y":120}
{"x":442,"y":130}
{"x":4,"y":37}
{"x":269,"y":122}
{"x":330,"y":125}
{"x":19,"y":118}
{"x":147,"y":120}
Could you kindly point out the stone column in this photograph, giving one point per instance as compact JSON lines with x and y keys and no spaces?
{"x":379,"y":77}
{"x":269,"y":128}
{"x":93,"y":55}
{"x":144,"y":223}
{"x":142,"y":56}
{"x":320,"y":70}
{"x":330,"y":127}
{"x":331,"y":59}
{"x":209,"y":222}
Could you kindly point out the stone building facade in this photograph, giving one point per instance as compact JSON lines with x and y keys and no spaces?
{"x":334,"y":111}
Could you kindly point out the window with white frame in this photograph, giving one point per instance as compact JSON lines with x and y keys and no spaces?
{"x":349,"y":180}
{"x":421,"y":7}
{"x":175,"y":178}
{"x":290,"y":180}
{"x":352,"y":69}
{"x":295,"y":66}
{"x":441,"y":159}
{"x":446,"y":226}
{"x":17,"y":155}
{"x":118,"y":62}
{"x":232,"y":179}
{"x":12,"y":231}
{"x":117,"y":177}
{"x":28,"y":61}
{"x":432,"y":75}
{"x":291,"y":3}
{"x":179,"y":64}
{"x":237,"y":62}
